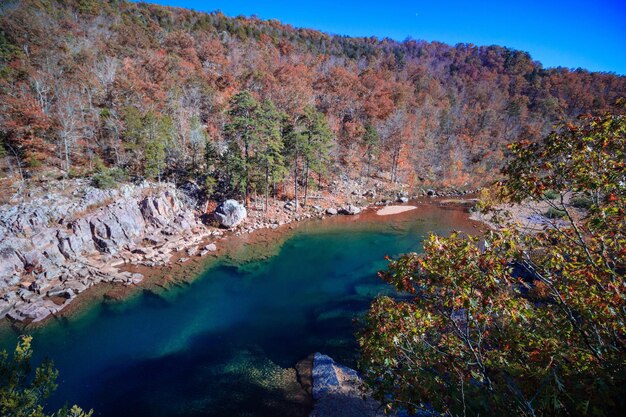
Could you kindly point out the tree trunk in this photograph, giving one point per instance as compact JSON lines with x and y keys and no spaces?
{"x":394,"y":166}
{"x":295,"y":181}
{"x":306,"y":184}
{"x":267,"y":186}
{"x":19,"y":163}
{"x":274,"y":191}
{"x":245,"y":187}
{"x":67,"y":156}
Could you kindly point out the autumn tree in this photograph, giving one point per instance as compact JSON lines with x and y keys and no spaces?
{"x":25,"y":128}
{"x":67,"y":84}
{"x":524,"y":323}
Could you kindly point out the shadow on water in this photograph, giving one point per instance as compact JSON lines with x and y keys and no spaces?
{"x":214,"y":376}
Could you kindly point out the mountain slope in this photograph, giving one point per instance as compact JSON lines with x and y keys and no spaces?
{"x":77,"y":78}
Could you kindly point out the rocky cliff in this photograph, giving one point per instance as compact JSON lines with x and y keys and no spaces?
{"x":58,"y":244}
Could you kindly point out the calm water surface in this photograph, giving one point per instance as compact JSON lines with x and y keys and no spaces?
{"x":224,"y":344}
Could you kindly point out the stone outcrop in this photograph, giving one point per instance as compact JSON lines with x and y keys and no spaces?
{"x":230,"y":213}
{"x":350,"y":210}
{"x":338,"y":391}
{"x":59,"y":244}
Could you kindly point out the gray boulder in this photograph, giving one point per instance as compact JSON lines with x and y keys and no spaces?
{"x":290,"y":205}
{"x":325,"y":376}
{"x":338,"y":391}
{"x":350,"y":210}
{"x":230,"y":213}
{"x":211,"y":247}
{"x":331,"y":211}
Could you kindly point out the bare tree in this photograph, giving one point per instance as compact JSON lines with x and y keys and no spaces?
{"x":105,"y":71}
{"x":68,"y":115}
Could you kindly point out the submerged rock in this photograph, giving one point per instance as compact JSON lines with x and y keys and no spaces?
{"x":230,"y":213}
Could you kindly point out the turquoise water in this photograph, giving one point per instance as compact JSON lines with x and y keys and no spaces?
{"x":221,"y":345}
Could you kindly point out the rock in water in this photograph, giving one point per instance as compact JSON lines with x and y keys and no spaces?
{"x":338,"y":391}
{"x":325,"y":377}
{"x":230,"y":213}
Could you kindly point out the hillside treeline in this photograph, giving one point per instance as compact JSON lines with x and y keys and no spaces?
{"x":149,"y":91}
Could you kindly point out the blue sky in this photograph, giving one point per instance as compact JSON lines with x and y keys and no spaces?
{"x":589,"y":34}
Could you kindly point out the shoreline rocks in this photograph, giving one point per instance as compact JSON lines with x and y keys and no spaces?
{"x":62,"y":245}
{"x":61,"y":241}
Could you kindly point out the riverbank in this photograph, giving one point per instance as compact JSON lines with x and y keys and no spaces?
{"x":230,"y":332}
{"x":259,"y":237}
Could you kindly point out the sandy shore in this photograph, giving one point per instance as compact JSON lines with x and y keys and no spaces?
{"x":389,"y":210}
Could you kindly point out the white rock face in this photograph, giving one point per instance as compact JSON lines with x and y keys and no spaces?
{"x":230,"y":213}
{"x":59,"y":244}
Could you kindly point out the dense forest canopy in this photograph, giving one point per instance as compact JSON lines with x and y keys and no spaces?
{"x":146,"y":89}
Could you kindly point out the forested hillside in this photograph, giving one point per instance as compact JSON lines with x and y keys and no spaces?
{"x":120,"y":89}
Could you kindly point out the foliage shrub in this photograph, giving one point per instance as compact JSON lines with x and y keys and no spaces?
{"x":582,"y":202}
{"x":210,"y":185}
{"x":555,"y":213}
{"x":526,"y":324}
{"x":551,"y":194}
{"x":21,"y":393}
{"x":34,"y":162}
{"x":108,"y":178}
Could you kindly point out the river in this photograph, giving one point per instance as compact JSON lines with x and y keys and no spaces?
{"x":226,"y":343}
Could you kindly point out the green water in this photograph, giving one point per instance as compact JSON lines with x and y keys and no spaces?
{"x":221,"y":345}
